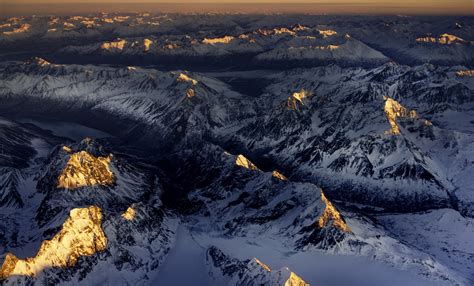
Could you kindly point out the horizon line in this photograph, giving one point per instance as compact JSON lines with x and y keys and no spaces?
{"x":321,"y":8}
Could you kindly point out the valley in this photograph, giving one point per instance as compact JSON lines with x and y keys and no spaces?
{"x":236,"y":149}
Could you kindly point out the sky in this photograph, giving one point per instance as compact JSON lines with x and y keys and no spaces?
{"x":464,"y":7}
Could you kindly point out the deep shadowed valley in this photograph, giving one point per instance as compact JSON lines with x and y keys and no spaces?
{"x":236,"y":149}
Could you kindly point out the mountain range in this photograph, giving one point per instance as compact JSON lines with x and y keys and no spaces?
{"x":148,"y":149}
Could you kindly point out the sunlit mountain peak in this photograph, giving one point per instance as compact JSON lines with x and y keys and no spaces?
{"x":279,"y":175}
{"x":296,"y":100}
{"x":242,"y":161}
{"x":81,"y":235}
{"x":330,"y":214}
{"x":84,"y":169}
{"x":119,"y":44}
{"x":394,"y":110}
{"x":129,"y":214}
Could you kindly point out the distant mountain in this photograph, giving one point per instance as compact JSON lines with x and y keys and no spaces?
{"x":382,"y":130}
{"x":266,"y":46}
{"x":206,"y":41}
{"x":348,"y":152}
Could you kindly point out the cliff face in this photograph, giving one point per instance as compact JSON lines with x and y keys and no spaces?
{"x":83,"y":169}
{"x":80,"y":235}
{"x":297,"y":140}
{"x":394,"y":110}
{"x":96,"y":219}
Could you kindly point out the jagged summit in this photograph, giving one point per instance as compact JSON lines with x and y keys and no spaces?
{"x":444,"y":39}
{"x":257,"y":273}
{"x":249,"y":272}
{"x":84,"y":169}
{"x":222,"y":40}
{"x":327,"y":33}
{"x":129,"y":214}
{"x":279,"y":175}
{"x":465,"y":73}
{"x":182,"y":77}
{"x":190,"y":92}
{"x":395,"y":110}
{"x":85,"y":166}
{"x":331,"y":215}
{"x":118,"y":44}
{"x":296,"y":100}
{"x":81,"y":235}
{"x":39,"y":62}
{"x":243,"y":162}
{"x":147,"y":43}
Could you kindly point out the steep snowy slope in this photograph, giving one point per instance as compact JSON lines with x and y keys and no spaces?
{"x":375,"y":140}
{"x":71,"y":233}
{"x":207,"y":39}
{"x":144,"y":102}
{"x":242,"y":200}
{"x":233,"y":202}
{"x":391,"y":134}
{"x":253,"y":272}
{"x":20,"y":147}
{"x":104,"y":215}
{"x":269,"y":46}
{"x":380,"y":137}
{"x":441,"y":233}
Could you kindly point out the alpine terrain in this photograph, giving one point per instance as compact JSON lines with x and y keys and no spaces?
{"x":236,"y":149}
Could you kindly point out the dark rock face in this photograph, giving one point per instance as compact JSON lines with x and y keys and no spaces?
{"x":235,"y":155}
{"x":228,"y":265}
{"x":150,"y":227}
{"x":339,"y":135}
{"x":337,"y":129}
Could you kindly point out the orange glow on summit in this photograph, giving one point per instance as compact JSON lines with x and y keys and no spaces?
{"x":83,"y":169}
{"x":395,"y":110}
{"x":295,"y":101}
{"x":81,"y":235}
{"x":129,"y":214}
{"x":331,"y":214}
{"x":243,"y":162}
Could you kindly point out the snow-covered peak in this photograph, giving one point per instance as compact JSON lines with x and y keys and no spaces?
{"x":40,"y":62}
{"x":327,"y":33}
{"x":84,"y":169}
{"x":465,"y":73}
{"x":444,"y":39}
{"x":185,"y":78}
{"x":243,"y":162}
{"x":147,"y":44}
{"x":332,"y":215}
{"x":81,"y":235}
{"x":279,"y":175}
{"x":394,"y":110}
{"x":129,"y":214}
{"x":296,"y":100}
{"x":257,"y":273}
{"x":119,"y":44}
{"x":213,"y":41}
